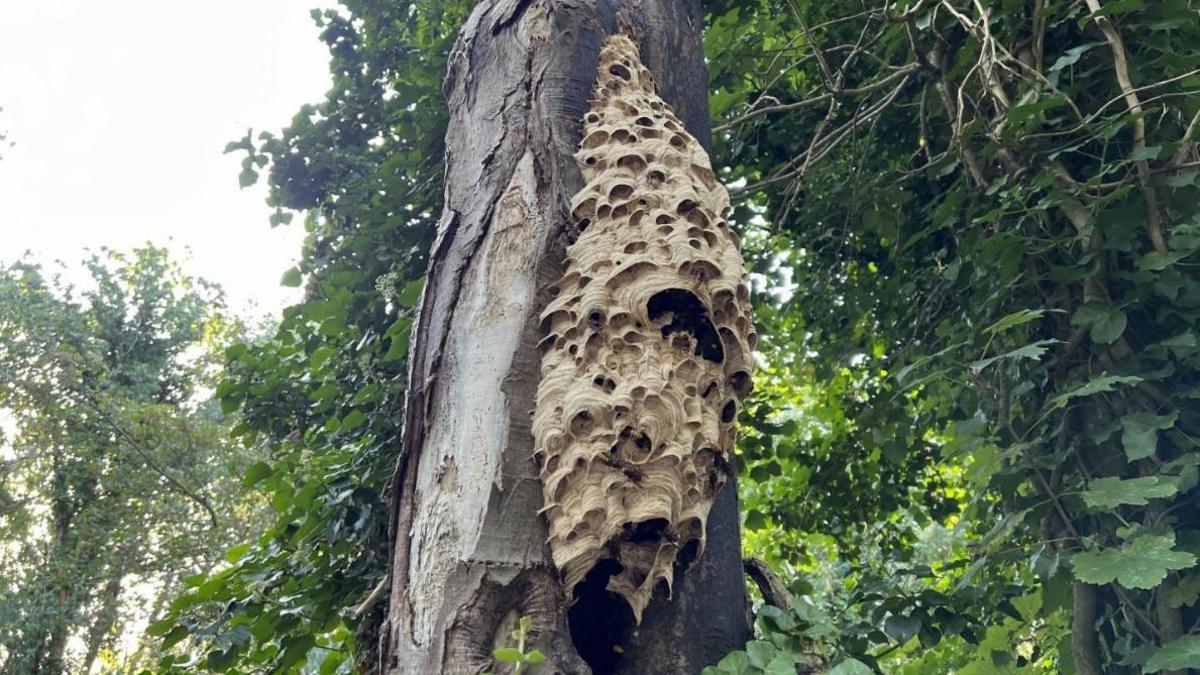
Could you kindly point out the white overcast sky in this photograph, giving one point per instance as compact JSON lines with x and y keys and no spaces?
{"x":120,"y":111}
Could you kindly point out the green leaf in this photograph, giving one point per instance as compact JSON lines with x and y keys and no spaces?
{"x":229,"y":405}
{"x":399,"y":345}
{"x":782,"y":664}
{"x":174,"y":637}
{"x":735,"y":663}
{"x":331,"y":663}
{"x":851,"y":667}
{"x":235,"y":553}
{"x":507,"y":655}
{"x":1182,"y":179}
{"x":1015,"y":319}
{"x":246,"y":178}
{"x":320,"y":356}
{"x":411,"y":293}
{"x":755,"y":520}
{"x":353,"y":420}
{"x":535,"y":657}
{"x":291,"y":278}
{"x":1142,"y":563}
{"x":160,"y":627}
{"x":1117,"y":7}
{"x":1186,"y":592}
{"x":760,"y":652}
{"x":280,"y":217}
{"x":1106,"y":323}
{"x":1175,"y":655}
{"x":1094,"y":386}
{"x":256,"y":472}
{"x":1139,"y":434}
{"x":1033,"y":350}
{"x":1109,"y":493}
{"x":220,"y":660}
{"x":1072,"y":55}
{"x":295,"y":649}
{"x":1146,"y":153}
{"x":901,"y":628}
{"x":1157,"y":262}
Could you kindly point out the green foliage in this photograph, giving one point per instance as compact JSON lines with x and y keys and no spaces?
{"x":323,"y":398}
{"x":1181,"y":653}
{"x":1141,"y":563}
{"x":516,"y":655}
{"x":975,"y":275}
{"x":117,"y":480}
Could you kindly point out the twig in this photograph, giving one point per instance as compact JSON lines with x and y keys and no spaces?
{"x":1121,"y":67}
{"x":1185,"y":142}
{"x":149,"y":459}
{"x":368,"y":602}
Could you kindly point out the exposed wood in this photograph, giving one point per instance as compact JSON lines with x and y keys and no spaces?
{"x":469,"y":553}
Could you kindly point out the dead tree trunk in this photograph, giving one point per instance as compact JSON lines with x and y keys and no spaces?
{"x":470,"y":554}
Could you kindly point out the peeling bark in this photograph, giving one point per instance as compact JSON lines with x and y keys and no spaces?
{"x":469,"y":549}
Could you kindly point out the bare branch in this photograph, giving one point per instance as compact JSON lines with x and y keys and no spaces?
{"x":1121,"y":67}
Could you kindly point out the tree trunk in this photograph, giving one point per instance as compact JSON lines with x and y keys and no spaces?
{"x":469,"y":553}
{"x":103,"y":621}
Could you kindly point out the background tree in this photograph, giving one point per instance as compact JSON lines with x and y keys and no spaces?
{"x":118,"y":478}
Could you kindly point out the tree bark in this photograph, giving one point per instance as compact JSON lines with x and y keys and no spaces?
{"x":102,"y":622}
{"x":469,"y":556}
{"x":1085,"y":648}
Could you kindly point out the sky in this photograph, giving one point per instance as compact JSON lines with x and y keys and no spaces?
{"x":120,"y":111}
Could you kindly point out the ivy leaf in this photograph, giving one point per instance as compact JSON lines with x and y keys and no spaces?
{"x":247,"y":177}
{"x":760,"y":652}
{"x":160,"y":627}
{"x":353,"y":420}
{"x":177,"y":634}
{"x":1140,"y":433}
{"x":256,"y":472}
{"x":1157,"y":262}
{"x":1185,"y":593}
{"x":291,"y":278}
{"x":782,"y":664}
{"x":1182,"y":179}
{"x":851,"y":667}
{"x":1175,"y":655}
{"x":1106,"y":323}
{"x":236,"y":553}
{"x":1109,"y":493}
{"x":280,"y":217}
{"x":411,"y":293}
{"x":901,"y":627}
{"x":734,"y":663}
{"x":1148,"y":152}
{"x":295,"y":649}
{"x":1072,"y":55}
{"x":1142,"y":563}
{"x":399,"y":344}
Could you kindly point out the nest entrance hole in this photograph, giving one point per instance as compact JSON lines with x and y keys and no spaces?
{"x":688,"y":315}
